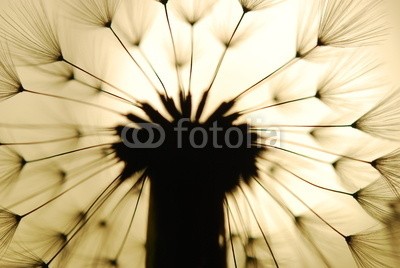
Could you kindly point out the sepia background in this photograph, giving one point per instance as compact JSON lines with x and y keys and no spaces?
{"x":55,"y":185}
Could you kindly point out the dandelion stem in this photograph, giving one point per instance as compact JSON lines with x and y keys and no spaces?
{"x":182,"y":214}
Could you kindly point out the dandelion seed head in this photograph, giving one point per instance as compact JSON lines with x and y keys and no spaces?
{"x":258,"y":165}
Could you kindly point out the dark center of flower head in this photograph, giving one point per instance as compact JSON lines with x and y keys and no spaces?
{"x":191,"y":165}
{"x":215,"y":153}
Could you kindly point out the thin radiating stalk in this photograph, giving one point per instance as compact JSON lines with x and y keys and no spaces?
{"x":191,"y":57}
{"x":178,"y":77}
{"x":106,"y":145}
{"x":267,"y":242}
{"x":230,"y":232}
{"x":135,"y":61}
{"x":105,"y":82}
{"x":73,"y":100}
{"x":227,"y":46}
{"x":307,"y":206}
{"x":256,"y":109}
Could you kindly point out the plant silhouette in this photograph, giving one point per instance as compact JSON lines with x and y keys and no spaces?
{"x":198,"y":133}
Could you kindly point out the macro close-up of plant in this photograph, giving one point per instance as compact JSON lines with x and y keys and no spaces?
{"x":199,"y":133}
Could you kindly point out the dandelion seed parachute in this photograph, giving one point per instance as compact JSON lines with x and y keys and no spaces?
{"x":9,"y":81}
{"x":95,"y":13}
{"x":351,"y":23}
{"x":9,"y":223}
{"x":346,"y":78}
{"x":34,"y":42}
{"x":363,"y":244}
{"x":377,"y":199}
{"x":73,"y":194}
{"x":382,"y":120}
{"x":387,"y":166}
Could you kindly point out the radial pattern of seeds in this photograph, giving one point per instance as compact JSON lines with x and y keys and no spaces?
{"x":198,"y":133}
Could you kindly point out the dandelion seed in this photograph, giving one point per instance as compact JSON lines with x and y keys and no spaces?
{"x":95,"y":12}
{"x":308,"y":26}
{"x":351,"y":23}
{"x":382,"y":120}
{"x":8,"y":225}
{"x":33,"y":37}
{"x":364,"y":247}
{"x":354,"y":173}
{"x":11,"y":164}
{"x":9,"y":80}
{"x":377,"y":199}
{"x":21,"y":257}
{"x":61,"y":72}
{"x":387,"y":165}
{"x":44,"y":241}
{"x":349,"y":78}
